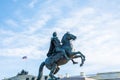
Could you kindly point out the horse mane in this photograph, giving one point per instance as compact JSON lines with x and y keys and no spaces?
{"x":63,"y":38}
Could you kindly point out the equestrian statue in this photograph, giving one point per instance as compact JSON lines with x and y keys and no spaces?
{"x":59,"y":54}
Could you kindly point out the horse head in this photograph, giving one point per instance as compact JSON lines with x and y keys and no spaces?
{"x":67,"y":37}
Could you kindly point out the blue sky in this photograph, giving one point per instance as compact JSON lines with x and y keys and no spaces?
{"x":26,"y":27}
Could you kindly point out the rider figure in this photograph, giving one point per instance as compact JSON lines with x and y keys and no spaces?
{"x":56,"y":46}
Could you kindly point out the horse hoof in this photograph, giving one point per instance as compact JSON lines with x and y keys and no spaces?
{"x":57,"y":78}
{"x":81,"y":65}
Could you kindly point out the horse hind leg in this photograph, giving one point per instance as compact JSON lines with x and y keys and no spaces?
{"x":40,"y":71}
{"x":53,"y":71}
{"x":57,"y":70}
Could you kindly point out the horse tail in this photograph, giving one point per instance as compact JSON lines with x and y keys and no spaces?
{"x":40,"y":71}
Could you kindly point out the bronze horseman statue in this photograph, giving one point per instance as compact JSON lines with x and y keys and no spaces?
{"x":59,"y":54}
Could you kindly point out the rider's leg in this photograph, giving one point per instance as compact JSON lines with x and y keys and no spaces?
{"x":64,"y":53}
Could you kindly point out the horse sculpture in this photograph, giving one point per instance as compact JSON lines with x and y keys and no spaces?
{"x":54,"y":66}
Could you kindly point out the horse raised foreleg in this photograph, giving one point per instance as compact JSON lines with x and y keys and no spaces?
{"x":79,"y":54}
{"x":76,"y":56}
{"x":82,"y":58}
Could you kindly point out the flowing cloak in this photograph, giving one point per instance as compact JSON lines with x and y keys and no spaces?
{"x":51,"y":48}
{"x":53,"y":44}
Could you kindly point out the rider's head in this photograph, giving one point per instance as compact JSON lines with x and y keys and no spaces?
{"x":54,"y":34}
{"x":68,"y":32}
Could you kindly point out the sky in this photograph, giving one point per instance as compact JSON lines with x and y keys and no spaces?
{"x":26,"y":27}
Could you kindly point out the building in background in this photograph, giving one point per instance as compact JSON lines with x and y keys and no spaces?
{"x":106,"y":76}
{"x":23,"y":75}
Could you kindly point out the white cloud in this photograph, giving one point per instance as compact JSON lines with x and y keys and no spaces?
{"x":38,"y":24}
{"x":29,"y":51}
{"x":6,"y":32}
{"x":32,"y":3}
{"x":75,"y":18}
{"x":11,"y":22}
